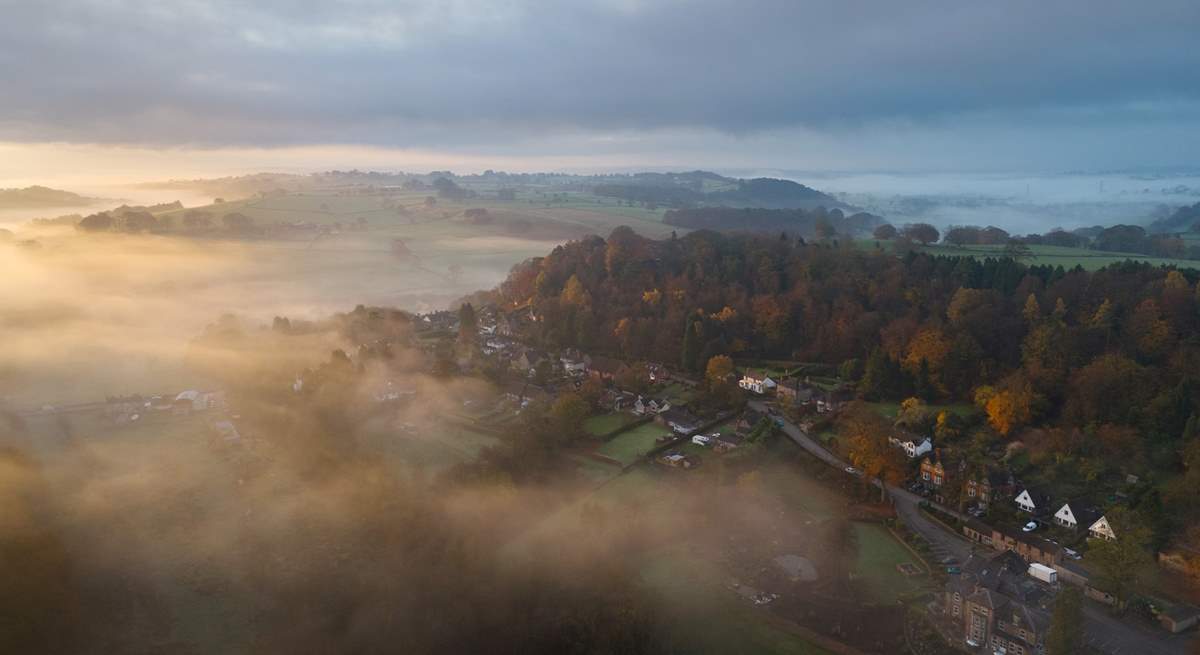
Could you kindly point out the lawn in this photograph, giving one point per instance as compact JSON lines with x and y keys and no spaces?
{"x":878,"y":555}
{"x":712,"y":616}
{"x":799,"y":490}
{"x":603,"y":424}
{"x":594,"y":470}
{"x":1068,"y":258}
{"x":630,"y":446}
{"x":677,"y":392}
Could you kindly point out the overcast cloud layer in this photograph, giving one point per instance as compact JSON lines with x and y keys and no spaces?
{"x":1119,"y":82}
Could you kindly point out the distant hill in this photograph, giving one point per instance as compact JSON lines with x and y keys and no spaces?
{"x":1181,"y":220}
{"x":709,"y":189}
{"x":805,"y":222}
{"x":40,"y":196}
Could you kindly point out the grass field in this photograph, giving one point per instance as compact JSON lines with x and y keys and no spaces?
{"x":603,"y":424}
{"x":1068,"y":258}
{"x":710,"y":614}
{"x":628,"y":447}
{"x":677,"y":392}
{"x":878,"y":555}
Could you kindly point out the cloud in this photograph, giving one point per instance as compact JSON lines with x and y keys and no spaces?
{"x":403,"y":73}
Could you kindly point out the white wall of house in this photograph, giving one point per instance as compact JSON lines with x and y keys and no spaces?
{"x":1065,"y":517}
{"x":1102,"y":530}
{"x":1025,"y":502}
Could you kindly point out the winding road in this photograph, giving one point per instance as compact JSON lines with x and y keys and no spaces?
{"x":1104,"y":632}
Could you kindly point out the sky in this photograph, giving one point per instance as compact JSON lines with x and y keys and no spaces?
{"x":212,"y":86}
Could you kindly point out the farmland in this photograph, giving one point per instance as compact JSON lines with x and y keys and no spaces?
{"x":1068,"y":258}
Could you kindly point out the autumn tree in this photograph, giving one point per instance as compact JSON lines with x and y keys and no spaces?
{"x":864,"y":434}
{"x":567,"y":415}
{"x":1066,"y":625}
{"x":923,"y":233}
{"x":885,"y":232}
{"x":718,"y":370}
{"x":1121,"y":563}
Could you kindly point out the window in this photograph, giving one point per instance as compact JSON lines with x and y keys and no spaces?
{"x":925,"y":475}
{"x":971,"y":491}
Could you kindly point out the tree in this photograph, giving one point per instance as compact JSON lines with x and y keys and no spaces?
{"x":567,"y":415}
{"x":101,"y":222}
{"x":1066,"y":626}
{"x":1008,"y":410}
{"x":1120,"y":563}
{"x":718,"y":370}
{"x":885,"y":232}
{"x":1016,"y":250}
{"x":864,"y":437}
{"x":1033,"y":311}
{"x":923,"y":233}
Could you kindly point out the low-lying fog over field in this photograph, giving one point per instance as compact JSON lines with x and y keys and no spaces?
{"x":88,"y":317}
{"x":1020,"y":203}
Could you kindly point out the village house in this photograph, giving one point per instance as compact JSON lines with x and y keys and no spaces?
{"x":933,"y":471}
{"x":679,"y":419}
{"x":1177,"y":618}
{"x":1033,"y":501}
{"x":996,"y":605}
{"x":909,"y":444}
{"x":983,"y":488}
{"x":678,"y":460}
{"x":757,"y":381}
{"x":747,"y":422}
{"x":725,"y":442}
{"x":1074,"y":514}
{"x":522,"y":393}
{"x":790,"y":391}
{"x":574,"y":363}
{"x":1029,"y":546}
{"x":643,"y":406}
{"x":657,"y":373}
{"x":1101,"y":529}
{"x":527,"y":361}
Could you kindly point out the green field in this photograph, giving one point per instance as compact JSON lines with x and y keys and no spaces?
{"x":677,"y":393}
{"x":1068,"y":258}
{"x":711,"y":615}
{"x":630,"y":446}
{"x":603,"y":424}
{"x":878,"y":555}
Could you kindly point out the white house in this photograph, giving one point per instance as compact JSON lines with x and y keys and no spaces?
{"x":1032,"y":501}
{"x":914,"y":449}
{"x":1102,"y":530}
{"x":759,"y":383}
{"x":1073,"y":515}
{"x":650,"y":406}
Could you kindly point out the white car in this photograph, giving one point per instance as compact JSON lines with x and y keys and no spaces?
{"x":700,"y":440}
{"x":853,"y":471}
{"x":1030,"y":527}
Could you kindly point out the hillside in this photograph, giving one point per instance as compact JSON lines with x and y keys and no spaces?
{"x":709,"y":189}
{"x":817,"y":223}
{"x":1181,"y":220}
{"x":39,"y":196}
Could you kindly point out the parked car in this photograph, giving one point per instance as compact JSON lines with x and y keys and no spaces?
{"x":852,"y":471}
{"x":1030,"y":527}
{"x":953,"y":570}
